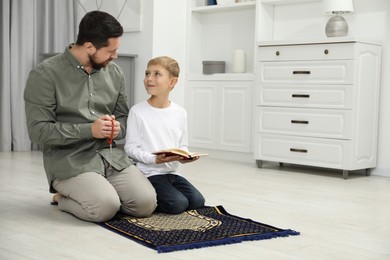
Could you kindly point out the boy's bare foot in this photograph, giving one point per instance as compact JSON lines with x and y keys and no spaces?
{"x":57,"y":197}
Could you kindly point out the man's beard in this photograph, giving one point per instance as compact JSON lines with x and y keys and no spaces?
{"x":95,"y":65}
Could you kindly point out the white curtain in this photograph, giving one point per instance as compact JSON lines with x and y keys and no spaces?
{"x":28,"y":29}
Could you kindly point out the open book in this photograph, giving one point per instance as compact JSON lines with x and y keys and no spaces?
{"x":180,"y":152}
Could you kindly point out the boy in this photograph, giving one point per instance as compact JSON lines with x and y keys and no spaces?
{"x":156,"y":124}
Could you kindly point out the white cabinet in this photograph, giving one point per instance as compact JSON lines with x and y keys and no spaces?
{"x":219,"y":114}
{"x":220,"y":106}
{"x":317,"y":103}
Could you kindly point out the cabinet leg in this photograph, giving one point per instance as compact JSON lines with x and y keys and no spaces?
{"x":345,"y":174}
{"x":368,"y":172}
{"x":259,"y":163}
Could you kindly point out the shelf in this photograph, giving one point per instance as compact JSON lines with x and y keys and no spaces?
{"x":318,"y":41}
{"x":222,"y":77}
{"x":222,"y":8}
{"x":286,"y":2}
{"x":216,"y":31}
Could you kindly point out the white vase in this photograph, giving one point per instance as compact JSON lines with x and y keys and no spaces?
{"x":239,"y":61}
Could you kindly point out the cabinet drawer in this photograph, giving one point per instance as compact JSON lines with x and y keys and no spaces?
{"x":307,"y":52}
{"x":300,"y":150}
{"x":306,"y":72}
{"x":305,"y":122}
{"x":315,"y":96}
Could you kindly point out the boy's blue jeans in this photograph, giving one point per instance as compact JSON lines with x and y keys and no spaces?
{"x":175,"y":194}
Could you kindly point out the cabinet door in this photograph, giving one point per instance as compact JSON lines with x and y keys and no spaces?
{"x":202,"y":114}
{"x":235,"y":116}
{"x":220,"y":115}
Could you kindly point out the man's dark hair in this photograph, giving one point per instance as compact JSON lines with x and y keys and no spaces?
{"x":97,"y":27}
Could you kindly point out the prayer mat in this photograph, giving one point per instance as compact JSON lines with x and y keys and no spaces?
{"x":207,"y":226}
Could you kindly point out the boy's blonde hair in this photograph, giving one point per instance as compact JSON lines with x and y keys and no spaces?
{"x":168,"y":63}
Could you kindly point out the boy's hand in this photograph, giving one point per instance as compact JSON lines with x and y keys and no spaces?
{"x":186,"y":160}
{"x":162,"y":158}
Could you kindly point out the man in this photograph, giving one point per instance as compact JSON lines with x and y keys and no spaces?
{"x":75,"y":105}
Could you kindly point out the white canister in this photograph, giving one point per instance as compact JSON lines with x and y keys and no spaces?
{"x":239,"y":61}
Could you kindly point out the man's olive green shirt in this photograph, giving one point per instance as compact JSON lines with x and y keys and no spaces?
{"x":62,"y":101}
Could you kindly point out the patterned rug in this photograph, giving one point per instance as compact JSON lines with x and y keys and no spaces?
{"x":207,"y":226}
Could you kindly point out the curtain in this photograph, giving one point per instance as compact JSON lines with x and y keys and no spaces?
{"x":29,"y":28}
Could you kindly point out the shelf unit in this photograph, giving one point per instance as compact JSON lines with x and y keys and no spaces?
{"x":214,"y":33}
{"x":217,"y":30}
{"x":220,"y":105}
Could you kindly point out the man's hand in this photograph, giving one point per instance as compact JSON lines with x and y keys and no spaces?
{"x":102,"y":127}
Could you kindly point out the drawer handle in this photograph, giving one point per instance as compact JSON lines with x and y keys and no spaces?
{"x":304,"y":122}
{"x":298,"y":150}
{"x":326,"y":51}
{"x":307,"y":72}
{"x":300,"y":96}
{"x":277,"y":53}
